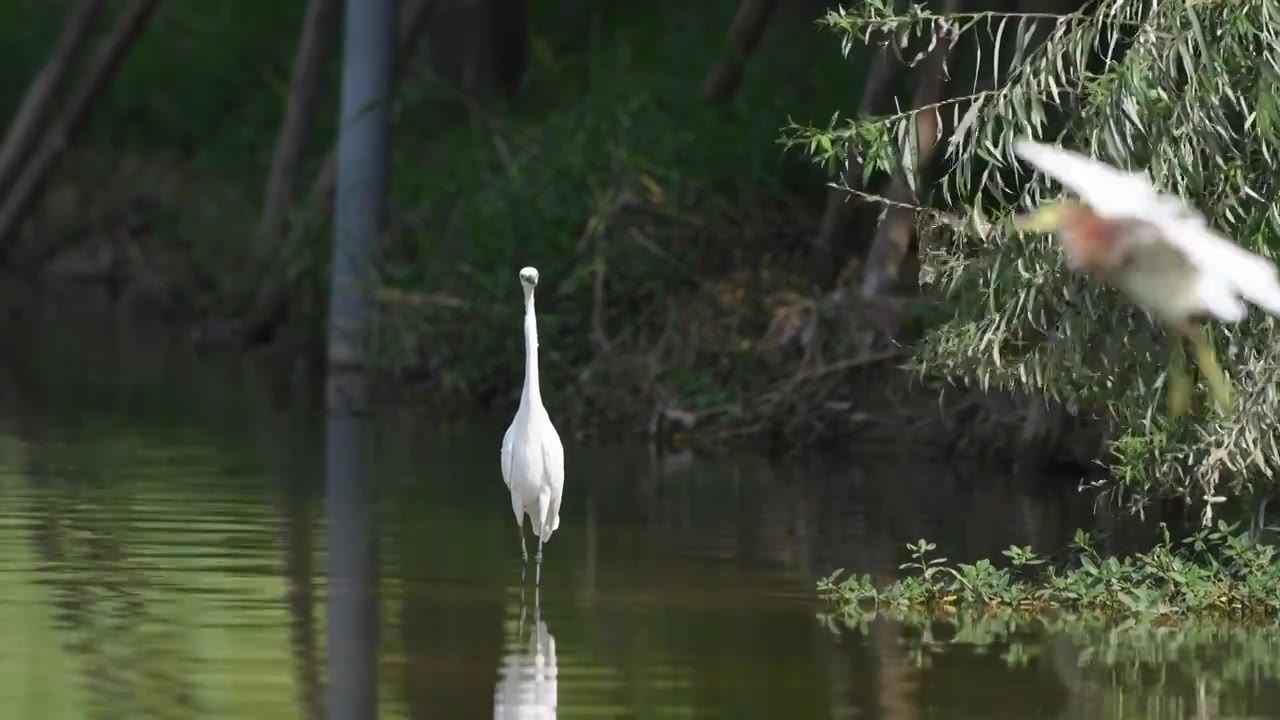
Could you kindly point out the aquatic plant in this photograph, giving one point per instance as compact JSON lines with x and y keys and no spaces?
{"x":1187,"y":626}
{"x":1217,"y":571}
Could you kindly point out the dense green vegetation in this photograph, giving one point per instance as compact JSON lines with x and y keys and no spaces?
{"x":1178,"y":89}
{"x":609,"y":154}
{"x":1216,"y":571}
{"x":1121,"y":634}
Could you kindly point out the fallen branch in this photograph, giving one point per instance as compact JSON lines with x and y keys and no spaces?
{"x":849,"y":364}
{"x":405,"y":298}
{"x":44,"y":90}
{"x":25,"y":192}
{"x":774,"y":391}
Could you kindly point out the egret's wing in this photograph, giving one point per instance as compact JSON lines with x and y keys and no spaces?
{"x":1170,"y":285}
{"x":506,"y":455}
{"x":1114,"y":193}
{"x":553,"y":464}
{"x":1109,"y":191}
{"x":1225,"y":263}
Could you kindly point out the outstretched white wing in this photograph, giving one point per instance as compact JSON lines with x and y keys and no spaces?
{"x":1227,"y":269}
{"x":1109,"y":191}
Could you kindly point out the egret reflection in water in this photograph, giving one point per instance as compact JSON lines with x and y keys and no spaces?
{"x":527,"y":677}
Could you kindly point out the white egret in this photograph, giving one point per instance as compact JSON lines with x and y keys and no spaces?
{"x":1157,"y":250}
{"x":532,"y":456}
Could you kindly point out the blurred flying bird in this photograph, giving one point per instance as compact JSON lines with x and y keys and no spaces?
{"x":1157,"y":250}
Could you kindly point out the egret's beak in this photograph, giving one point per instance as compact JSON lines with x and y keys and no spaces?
{"x":1043,"y":219}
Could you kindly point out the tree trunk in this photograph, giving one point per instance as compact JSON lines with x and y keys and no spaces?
{"x":511,"y":32}
{"x":27,"y":189}
{"x":479,"y":48}
{"x":839,"y":237}
{"x":891,"y":262}
{"x":314,"y":44}
{"x":267,"y":307}
{"x":745,"y":33}
{"x":45,"y":88}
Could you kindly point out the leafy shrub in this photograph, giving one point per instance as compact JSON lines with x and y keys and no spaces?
{"x":1187,"y":91}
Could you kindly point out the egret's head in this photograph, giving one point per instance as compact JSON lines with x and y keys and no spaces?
{"x":528,"y":279}
{"x":1089,"y":241}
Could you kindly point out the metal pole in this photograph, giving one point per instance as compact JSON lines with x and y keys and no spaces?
{"x":360,"y":202}
{"x":360,"y":208}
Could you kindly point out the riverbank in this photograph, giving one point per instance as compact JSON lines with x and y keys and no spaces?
{"x":735,"y":352}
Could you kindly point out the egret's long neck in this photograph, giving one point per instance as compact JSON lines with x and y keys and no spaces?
{"x":532,"y":393}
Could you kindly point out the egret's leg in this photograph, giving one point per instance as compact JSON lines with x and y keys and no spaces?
{"x":524,"y":554}
{"x":537,"y":573}
{"x":1179,"y":385}
{"x":520,"y":626}
{"x":1208,"y":362}
{"x":517,"y":508}
{"x":544,"y":505}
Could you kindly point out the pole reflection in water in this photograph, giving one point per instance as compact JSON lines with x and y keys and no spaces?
{"x":352,"y":602}
{"x":528,"y":675}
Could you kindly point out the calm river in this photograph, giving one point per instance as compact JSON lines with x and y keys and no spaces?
{"x":163,"y":555}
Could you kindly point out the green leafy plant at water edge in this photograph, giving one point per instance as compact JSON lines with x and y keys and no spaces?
{"x":1186,"y":91}
{"x":1216,"y":572}
{"x":1125,"y":637}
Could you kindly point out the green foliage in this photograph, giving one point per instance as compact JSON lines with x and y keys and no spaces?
{"x":1203,"y":607}
{"x":609,"y":154}
{"x":1185,"y":90}
{"x":629,"y":167}
{"x":1216,"y":571}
